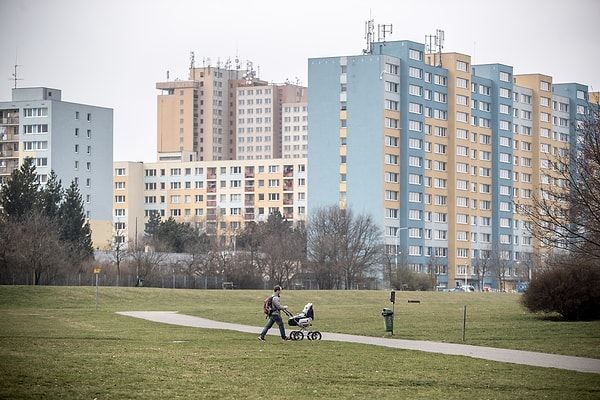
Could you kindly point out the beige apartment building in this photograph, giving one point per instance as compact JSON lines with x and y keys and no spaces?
{"x":224,"y":113}
{"x":217,"y":197}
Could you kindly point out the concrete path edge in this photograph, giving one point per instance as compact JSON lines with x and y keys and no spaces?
{"x":580,"y":364}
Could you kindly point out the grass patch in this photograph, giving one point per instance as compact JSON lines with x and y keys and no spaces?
{"x":55,"y":344}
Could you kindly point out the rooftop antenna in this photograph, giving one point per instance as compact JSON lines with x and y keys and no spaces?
{"x":250,"y":74}
{"x":369,"y":27}
{"x":15,"y":78}
{"x":435,"y":44}
{"x":382,"y":30}
{"x":167,"y":75}
{"x":439,"y":36}
{"x":193,"y":65}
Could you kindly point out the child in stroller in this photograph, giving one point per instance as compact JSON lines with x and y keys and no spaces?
{"x":303,"y":321}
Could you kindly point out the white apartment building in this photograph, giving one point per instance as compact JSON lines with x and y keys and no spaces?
{"x":75,"y":140}
{"x":295,"y":130}
{"x":218,"y":197}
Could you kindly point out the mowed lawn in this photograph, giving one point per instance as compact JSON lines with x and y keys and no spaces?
{"x":55,"y":343}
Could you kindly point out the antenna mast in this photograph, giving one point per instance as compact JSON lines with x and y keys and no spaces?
{"x":369,"y":27}
{"x":193,"y":65}
{"x":435,"y":45}
{"x":382,"y":30}
{"x":14,"y":75}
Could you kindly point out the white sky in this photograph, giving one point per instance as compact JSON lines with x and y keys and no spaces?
{"x":111,"y":53}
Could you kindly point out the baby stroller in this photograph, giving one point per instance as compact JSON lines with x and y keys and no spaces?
{"x":303,"y":321}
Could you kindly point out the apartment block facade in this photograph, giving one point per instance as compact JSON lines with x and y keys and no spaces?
{"x":439,"y":152}
{"x":217,"y":197}
{"x":225,"y":113}
{"x":75,"y":140}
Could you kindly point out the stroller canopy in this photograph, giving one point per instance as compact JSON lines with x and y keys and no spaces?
{"x":307,"y":311}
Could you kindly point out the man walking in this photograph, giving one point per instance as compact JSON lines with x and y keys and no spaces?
{"x":275,"y":315}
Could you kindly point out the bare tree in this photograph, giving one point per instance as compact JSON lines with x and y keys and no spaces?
{"x":342,"y":248}
{"x":482,"y":267}
{"x":147,"y":264}
{"x":37,"y":249}
{"x":565,"y":214}
{"x":281,"y":252}
{"x":432,"y":271}
{"x":500,"y":264}
{"x":118,"y":252}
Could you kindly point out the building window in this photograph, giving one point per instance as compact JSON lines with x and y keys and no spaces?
{"x":415,"y":72}
{"x":440,"y":80}
{"x":462,"y":66}
{"x":415,"y":90}
{"x":392,"y":86}
{"x":462,"y":83}
{"x":415,"y":55}
{"x":416,"y":126}
{"x":392,"y":69}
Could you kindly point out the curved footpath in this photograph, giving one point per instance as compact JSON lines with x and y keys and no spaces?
{"x":580,"y":364}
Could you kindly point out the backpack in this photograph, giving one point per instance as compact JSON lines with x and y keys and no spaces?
{"x":268,"y":306}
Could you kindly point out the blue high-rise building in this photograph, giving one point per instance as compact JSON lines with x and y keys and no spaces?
{"x":438,"y":151}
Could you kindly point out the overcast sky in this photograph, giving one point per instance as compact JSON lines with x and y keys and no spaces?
{"x":111,"y":53}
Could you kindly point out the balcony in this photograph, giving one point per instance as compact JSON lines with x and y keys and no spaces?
{"x":249,"y":188}
{"x":288,"y":171}
{"x":249,"y":216}
{"x":9,"y":121}
{"x":211,"y":203}
{"x":7,"y":170}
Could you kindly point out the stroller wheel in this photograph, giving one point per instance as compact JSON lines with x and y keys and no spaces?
{"x":315,"y":335}
{"x":296,"y":335}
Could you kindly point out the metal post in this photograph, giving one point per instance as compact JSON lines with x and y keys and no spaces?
{"x":398,"y":247}
{"x":96,"y":292}
{"x":464,"y":329}
{"x":393,"y":300}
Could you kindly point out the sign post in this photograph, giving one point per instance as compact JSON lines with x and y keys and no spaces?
{"x":96,"y":272}
{"x":393,"y":301}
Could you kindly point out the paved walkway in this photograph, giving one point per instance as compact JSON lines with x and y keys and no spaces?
{"x":580,"y":364}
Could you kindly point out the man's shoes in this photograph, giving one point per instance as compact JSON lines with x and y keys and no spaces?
{"x":262,"y":339}
{"x":285,"y":339}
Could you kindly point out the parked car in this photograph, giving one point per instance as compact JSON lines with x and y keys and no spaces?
{"x":465,"y":288}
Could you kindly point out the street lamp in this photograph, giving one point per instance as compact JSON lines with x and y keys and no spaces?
{"x":398,"y":244}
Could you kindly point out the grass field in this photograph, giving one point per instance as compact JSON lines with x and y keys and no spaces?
{"x":54,"y":343}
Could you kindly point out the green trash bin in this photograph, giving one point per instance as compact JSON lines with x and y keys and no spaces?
{"x":388,"y":319}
